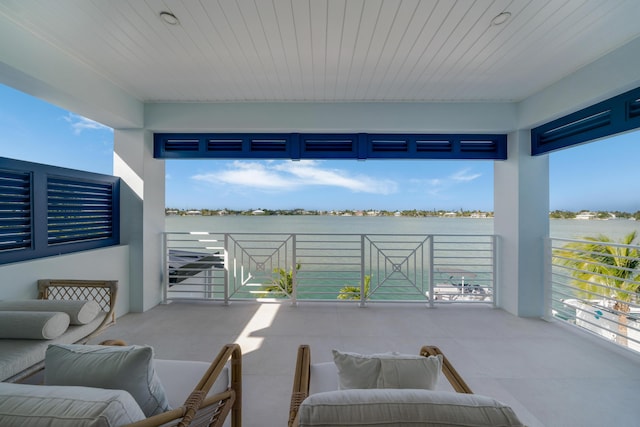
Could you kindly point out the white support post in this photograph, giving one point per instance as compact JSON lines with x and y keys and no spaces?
{"x":521,"y":191}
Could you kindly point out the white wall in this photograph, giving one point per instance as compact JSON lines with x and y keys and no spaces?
{"x":142,"y":210}
{"x":19,"y":280}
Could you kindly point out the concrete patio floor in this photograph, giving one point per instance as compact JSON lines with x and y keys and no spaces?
{"x":550,"y":374}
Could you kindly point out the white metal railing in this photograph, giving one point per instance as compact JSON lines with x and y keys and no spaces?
{"x":595,"y":288}
{"x":329,"y":267}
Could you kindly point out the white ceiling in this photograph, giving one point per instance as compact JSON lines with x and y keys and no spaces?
{"x":331,"y":50}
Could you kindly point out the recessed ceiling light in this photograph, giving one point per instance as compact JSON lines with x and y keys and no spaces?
{"x":501,"y":18}
{"x":169,"y":18}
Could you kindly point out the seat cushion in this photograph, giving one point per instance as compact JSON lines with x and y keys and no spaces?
{"x":129,"y":368}
{"x":402,"y":408}
{"x":32,"y":325}
{"x":182,"y":376}
{"x":80,"y":312}
{"x":323,"y":377}
{"x":17,"y":355}
{"x":60,"y":406}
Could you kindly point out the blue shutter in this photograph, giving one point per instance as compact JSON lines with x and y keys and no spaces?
{"x":359,"y":146}
{"x":609,"y":117}
{"x":15,"y":210}
{"x":47,"y":210}
{"x":78,"y":210}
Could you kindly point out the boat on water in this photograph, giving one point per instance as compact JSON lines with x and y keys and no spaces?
{"x":459,"y":286}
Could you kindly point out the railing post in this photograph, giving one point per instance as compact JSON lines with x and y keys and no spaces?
{"x":165,"y":268}
{"x":226,"y":269}
{"x":363,"y":297}
{"x":432,"y":288}
{"x":294,"y":272}
{"x":494,"y":292}
{"x":548,"y":271}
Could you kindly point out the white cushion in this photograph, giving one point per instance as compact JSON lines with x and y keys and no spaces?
{"x":386,"y":370}
{"x":80,"y":312}
{"x":56,"y":406}
{"x":356,"y":370}
{"x":408,"y":407}
{"x":401,"y":372}
{"x":129,"y":368}
{"x":34,"y":325}
{"x":323,"y":377}
{"x":182,"y":376}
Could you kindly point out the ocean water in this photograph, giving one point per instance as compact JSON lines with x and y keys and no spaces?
{"x":559,"y":228}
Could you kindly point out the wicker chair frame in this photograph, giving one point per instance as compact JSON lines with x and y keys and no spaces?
{"x":301,"y":379}
{"x":212,"y":411}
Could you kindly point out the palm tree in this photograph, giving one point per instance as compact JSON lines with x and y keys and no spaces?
{"x":602,"y":268}
{"x":282,"y":284}
{"x":353,"y":292}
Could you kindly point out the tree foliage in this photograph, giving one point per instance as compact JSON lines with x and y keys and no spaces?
{"x":604,"y":270}
{"x":282,"y":283}
{"x":353,"y":292}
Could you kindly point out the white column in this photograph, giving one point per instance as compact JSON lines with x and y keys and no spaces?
{"x":521,"y":204}
{"x":142,"y":213}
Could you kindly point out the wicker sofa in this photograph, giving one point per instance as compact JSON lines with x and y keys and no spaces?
{"x":20,"y":358}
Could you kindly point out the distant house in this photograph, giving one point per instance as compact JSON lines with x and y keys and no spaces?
{"x":479,"y":215}
{"x":586,"y":215}
{"x":194,"y":212}
{"x":450,"y":214}
{"x":257,"y":212}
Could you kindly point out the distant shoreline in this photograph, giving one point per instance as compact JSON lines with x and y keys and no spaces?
{"x":477,"y":214}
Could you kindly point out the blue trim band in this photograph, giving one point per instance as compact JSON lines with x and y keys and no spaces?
{"x":358,"y":146}
{"x":614,"y":115}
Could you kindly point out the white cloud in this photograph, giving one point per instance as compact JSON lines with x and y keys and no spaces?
{"x":441,"y":187}
{"x":79,"y":124}
{"x":309,"y":172}
{"x":464,"y":176}
{"x":288,"y":175}
{"x":248,"y":174}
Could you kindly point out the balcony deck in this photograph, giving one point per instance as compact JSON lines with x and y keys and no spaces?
{"x":551,"y":374}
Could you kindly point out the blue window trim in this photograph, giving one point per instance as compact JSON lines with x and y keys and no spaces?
{"x":358,"y":146}
{"x":58,"y":211}
{"x":614,"y":115}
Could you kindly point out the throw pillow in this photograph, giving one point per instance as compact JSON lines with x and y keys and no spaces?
{"x":386,"y":370}
{"x":80,"y":312}
{"x":129,"y":368}
{"x":32,"y":325}
{"x":402,"y":372}
{"x":356,"y":370}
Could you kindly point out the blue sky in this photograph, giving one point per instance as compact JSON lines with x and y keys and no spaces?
{"x":602,"y":175}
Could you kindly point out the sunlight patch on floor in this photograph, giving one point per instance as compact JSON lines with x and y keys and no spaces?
{"x":263,"y":318}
